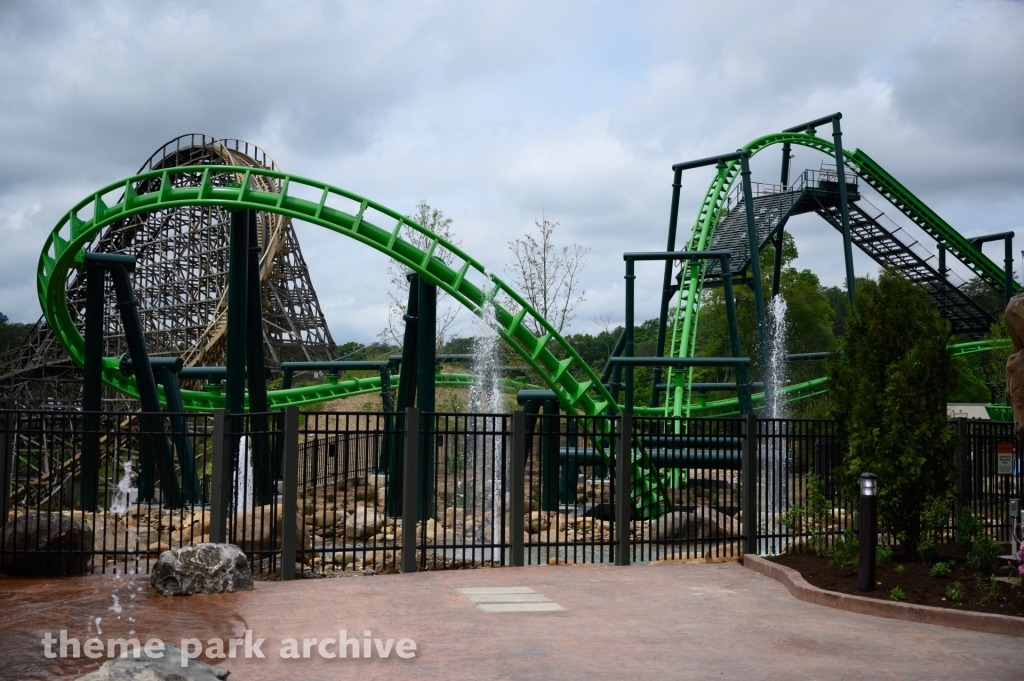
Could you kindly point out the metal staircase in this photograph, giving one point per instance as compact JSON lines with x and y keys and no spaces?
{"x":890,"y":246}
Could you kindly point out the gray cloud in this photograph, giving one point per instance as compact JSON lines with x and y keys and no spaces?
{"x":497,"y":112}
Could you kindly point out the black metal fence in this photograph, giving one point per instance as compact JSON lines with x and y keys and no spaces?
{"x":470,"y":489}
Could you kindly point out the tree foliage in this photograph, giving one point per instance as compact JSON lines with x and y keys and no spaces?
{"x":548,"y":276}
{"x":888,"y":388}
{"x":447,"y":309}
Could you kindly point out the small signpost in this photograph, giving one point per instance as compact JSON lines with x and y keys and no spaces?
{"x":1004,"y":454}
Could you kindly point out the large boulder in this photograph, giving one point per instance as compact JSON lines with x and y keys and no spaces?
{"x":201,"y":569}
{"x":41,"y":544}
{"x":675,"y":525}
{"x":364,"y":522}
{"x":166,"y":668}
{"x":704,"y":522}
{"x":1014,"y":315}
{"x":1015,"y":390}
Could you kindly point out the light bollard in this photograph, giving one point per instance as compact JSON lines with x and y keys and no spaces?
{"x":868,"y":531}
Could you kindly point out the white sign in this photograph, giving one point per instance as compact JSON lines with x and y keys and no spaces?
{"x":1005,"y":464}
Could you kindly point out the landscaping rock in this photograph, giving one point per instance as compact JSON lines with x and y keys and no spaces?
{"x":675,"y":525}
{"x":704,"y":522}
{"x":1015,"y":390}
{"x":41,"y":544}
{"x":166,"y":668}
{"x":254,"y":530}
{"x":201,"y":569}
{"x":364,"y":522}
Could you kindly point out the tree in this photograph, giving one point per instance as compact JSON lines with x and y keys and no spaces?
{"x":447,"y":309}
{"x":888,"y":387}
{"x":548,"y":277}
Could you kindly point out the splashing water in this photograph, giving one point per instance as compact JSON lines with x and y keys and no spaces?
{"x":485,"y":398}
{"x":119,"y":506}
{"x":778,"y":330}
{"x":774,"y":452}
{"x":243,"y":477}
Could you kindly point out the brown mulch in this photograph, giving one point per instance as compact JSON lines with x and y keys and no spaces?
{"x":919,"y":586}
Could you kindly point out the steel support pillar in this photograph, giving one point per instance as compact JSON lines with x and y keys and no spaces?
{"x":623,"y":488}
{"x":92,"y":383}
{"x":262,"y":460}
{"x":748,"y":484}
{"x":426,"y":367}
{"x":755,"y":260}
{"x":410,"y":489}
{"x":844,"y":208}
{"x":517,"y":487}
{"x":406,"y":398}
{"x":152,"y":423}
{"x":289,"y":492}
{"x":667,"y":289}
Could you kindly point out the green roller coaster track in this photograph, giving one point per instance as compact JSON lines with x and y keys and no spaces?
{"x":577,"y":386}
{"x":679,"y":398}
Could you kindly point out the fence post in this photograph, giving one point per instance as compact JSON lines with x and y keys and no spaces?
{"x":6,"y":458}
{"x":623,"y":489}
{"x":410,"y":483}
{"x":960,"y":459}
{"x":289,"y":493}
{"x":220,"y":483}
{"x":749,"y":482}
{"x":516,"y":488}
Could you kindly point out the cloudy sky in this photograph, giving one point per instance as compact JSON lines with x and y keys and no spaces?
{"x":500,"y":112}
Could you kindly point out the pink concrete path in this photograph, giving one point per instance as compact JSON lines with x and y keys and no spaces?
{"x":649,"y":622}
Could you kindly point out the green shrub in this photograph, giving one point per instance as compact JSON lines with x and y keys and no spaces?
{"x":897,"y":594}
{"x":900,"y":569}
{"x":989,"y":588}
{"x":933,"y":521}
{"x":955,"y":592}
{"x":984,"y":555}
{"x":844,"y":551}
{"x":812,"y":517}
{"x":941,"y":570}
{"x":888,"y":388}
{"x":883,"y":554}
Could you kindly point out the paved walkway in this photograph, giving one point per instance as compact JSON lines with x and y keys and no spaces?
{"x":649,"y":622}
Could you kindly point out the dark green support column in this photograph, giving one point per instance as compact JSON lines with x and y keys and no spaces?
{"x":667,"y":289}
{"x":549,"y":446}
{"x":426,"y":367}
{"x":627,"y":349}
{"x":262,"y":464}
{"x":152,"y":422}
{"x":784,"y":179}
{"x":844,"y":208}
{"x":1008,"y":270}
{"x":742,"y":376}
{"x":406,"y":398}
{"x":779,"y":238}
{"x":234,"y":388}
{"x":191,"y":491}
{"x":92,"y":383}
{"x":755,"y":261}
{"x":238,"y":262}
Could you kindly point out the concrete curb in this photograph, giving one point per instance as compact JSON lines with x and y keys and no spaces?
{"x":926,"y":614}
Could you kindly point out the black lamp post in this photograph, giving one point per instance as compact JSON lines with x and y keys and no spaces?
{"x":868,"y":531}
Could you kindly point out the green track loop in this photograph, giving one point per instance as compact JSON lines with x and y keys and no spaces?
{"x":577,"y":386}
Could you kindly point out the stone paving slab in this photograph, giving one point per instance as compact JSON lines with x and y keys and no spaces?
{"x":640,"y":622}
